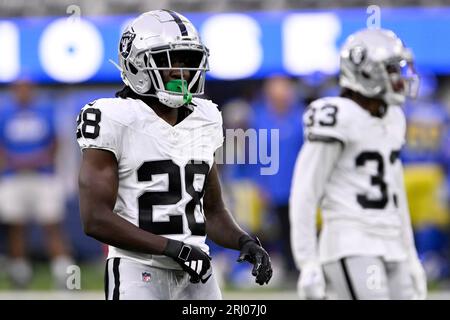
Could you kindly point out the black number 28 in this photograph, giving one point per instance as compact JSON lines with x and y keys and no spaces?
{"x":172,"y":196}
{"x":88,"y":123}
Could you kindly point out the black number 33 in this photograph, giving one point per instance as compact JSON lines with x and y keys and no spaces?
{"x":88,"y":123}
{"x":327,"y":116}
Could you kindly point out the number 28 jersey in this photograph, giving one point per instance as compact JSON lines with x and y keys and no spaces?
{"x":361,"y":201}
{"x":162,"y":169}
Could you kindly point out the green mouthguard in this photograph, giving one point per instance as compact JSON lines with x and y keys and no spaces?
{"x":178,"y":86}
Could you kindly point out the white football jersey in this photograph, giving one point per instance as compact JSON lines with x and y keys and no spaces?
{"x":162,"y":168}
{"x":360,"y":202}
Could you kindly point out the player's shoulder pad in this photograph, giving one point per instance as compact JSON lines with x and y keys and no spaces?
{"x":344,"y":109}
{"x":208,"y":109}
{"x":115,"y":109}
{"x":397,"y":118}
{"x":397,"y":113}
{"x":330,"y":119}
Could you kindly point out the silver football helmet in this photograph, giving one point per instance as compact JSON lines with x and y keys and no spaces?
{"x":376,"y":64}
{"x":150,"y":46}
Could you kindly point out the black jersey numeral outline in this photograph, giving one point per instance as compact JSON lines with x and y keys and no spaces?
{"x":327,"y":116}
{"x":89,"y":118}
{"x":172,"y":196}
{"x":376,"y":180}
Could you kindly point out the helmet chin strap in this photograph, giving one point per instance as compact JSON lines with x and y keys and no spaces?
{"x":175,"y":100}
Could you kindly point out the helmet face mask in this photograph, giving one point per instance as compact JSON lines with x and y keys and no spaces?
{"x":190,"y":64}
{"x":161,"y":63}
{"x":376,"y":64}
{"x":403,"y":80}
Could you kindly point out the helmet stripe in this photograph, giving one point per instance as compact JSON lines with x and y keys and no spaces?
{"x":178,"y":21}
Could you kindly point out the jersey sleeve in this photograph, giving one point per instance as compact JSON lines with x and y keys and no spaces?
{"x":312,"y":170}
{"x":326,"y":121}
{"x":212,"y":118}
{"x":403,"y":207}
{"x":218,"y":132}
{"x":98,"y":129}
{"x":400,"y":121}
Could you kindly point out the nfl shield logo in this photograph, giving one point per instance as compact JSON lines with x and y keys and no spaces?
{"x":146,"y":276}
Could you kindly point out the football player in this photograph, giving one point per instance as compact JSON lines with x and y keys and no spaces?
{"x":350,"y":168}
{"x":149,"y":187}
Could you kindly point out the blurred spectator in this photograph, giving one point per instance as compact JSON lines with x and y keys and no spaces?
{"x":425,"y":164}
{"x":29,"y":186}
{"x":279,"y":109}
{"x":240,"y":191}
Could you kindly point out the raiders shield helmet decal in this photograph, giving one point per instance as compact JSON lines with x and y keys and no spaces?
{"x":125,"y":43}
{"x":358,"y":55}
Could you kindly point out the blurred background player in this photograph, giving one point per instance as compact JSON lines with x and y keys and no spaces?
{"x":350,"y":167}
{"x":29,"y":187}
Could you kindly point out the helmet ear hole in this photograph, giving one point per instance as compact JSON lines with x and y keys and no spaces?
{"x":132,"y":68}
{"x":365,"y":75}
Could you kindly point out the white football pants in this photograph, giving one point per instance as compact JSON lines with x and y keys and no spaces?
{"x":130,"y":280}
{"x":369,"y":278}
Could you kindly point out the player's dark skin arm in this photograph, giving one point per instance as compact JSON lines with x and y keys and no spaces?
{"x":220,"y":224}
{"x":98,"y":184}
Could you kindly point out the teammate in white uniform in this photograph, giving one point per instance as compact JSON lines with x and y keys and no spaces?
{"x":148,"y":183}
{"x":350,"y":168}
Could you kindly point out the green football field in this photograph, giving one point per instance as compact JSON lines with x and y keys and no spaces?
{"x":91,"y":278}
{"x":92,"y":288}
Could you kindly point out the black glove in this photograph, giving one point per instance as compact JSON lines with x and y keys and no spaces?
{"x":192,"y":259}
{"x":253,"y":252}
